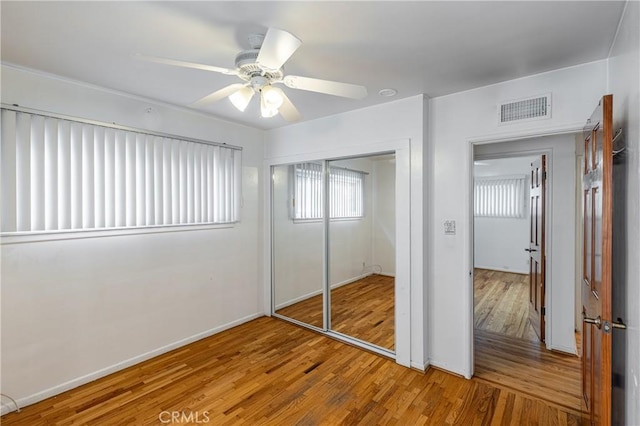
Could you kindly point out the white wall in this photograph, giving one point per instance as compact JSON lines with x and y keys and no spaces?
{"x":499,"y":242}
{"x":561,"y":212}
{"x":402,"y":119}
{"x":624,"y":83}
{"x":384,"y":217}
{"x":77,"y":309}
{"x":456,"y":121}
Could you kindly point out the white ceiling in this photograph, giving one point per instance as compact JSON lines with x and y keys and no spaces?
{"x":415,"y":47}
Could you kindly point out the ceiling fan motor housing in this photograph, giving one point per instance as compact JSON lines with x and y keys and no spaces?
{"x":248,"y":67}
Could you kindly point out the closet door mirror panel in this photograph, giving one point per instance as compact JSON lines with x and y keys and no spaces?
{"x":361,"y":242}
{"x":297,"y":243}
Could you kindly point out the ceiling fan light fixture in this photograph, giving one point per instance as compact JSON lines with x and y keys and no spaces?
{"x":242,"y":97}
{"x":267,"y":110}
{"x":272,"y":97}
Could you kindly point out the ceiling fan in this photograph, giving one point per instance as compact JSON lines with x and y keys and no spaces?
{"x":260,"y":68}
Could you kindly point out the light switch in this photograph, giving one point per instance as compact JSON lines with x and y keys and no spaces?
{"x":449,"y":227}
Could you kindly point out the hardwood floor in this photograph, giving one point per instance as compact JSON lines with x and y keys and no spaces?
{"x":363,"y":309}
{"x":528,"y":367}
{"x":308,"y":311}
{"x":507,"y":350}
{"x":501,"y":303}
{"x":269,"y":372}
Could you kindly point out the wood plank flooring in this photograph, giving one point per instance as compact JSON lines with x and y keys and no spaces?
{"x":363,"y":309}
{"x":507,"y":351}
{"x":528,"y":367}
{"x":269,"y":372}
{"x":501,"y":303}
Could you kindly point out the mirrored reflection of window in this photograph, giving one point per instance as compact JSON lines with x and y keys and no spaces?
{"x":346,"y":192}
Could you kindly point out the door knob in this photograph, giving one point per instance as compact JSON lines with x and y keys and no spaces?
{"x":597,"y":321}
{"x":619,"y":324}
{"x":614,"y":324}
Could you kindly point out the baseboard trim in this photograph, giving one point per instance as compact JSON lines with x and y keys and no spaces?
{"x":298,"y":299}
{"x":493,"y":268}
{"x":444,"y":367}
{"x":420,"y":367}
{"x":74,"y":383}
{"x":384,"y":274}
{"x":564,"y":349}
{"x":317,"y":292}
{"x":350,"y":280}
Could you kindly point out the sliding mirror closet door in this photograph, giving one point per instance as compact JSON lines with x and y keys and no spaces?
{"x":297,"y":242}
{"x":361,"y":248}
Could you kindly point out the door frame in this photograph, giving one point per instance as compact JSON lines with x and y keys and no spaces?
{"x":467,"y":299}
{"x":402,"y":150}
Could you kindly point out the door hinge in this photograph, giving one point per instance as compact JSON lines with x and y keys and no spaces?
{"x":543,"y":311}
{"x":544,"y":175}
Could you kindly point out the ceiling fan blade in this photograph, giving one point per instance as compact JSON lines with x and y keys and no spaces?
{"x":287,"y":110}
{"x":185,"y":64}
{"x":217,"y":95}
{"x":334,"y":88}
{"x":277,"y":47}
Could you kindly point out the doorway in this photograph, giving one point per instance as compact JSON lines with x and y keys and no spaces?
{"x":501,"y":239}
{"x":507,"y":349}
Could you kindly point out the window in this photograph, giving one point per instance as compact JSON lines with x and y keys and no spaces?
{"x":61,"y":174}
{"x":500,"y":196}
{"x":346,"y":192}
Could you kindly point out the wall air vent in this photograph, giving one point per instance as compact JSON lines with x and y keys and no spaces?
{"x":528,"y":109}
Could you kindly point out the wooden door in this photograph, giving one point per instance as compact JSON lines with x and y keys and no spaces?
{"x":596,"y":257}
{"x":536,"y":248}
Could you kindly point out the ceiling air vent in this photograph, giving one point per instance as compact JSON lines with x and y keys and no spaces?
{"x":535,"y":108}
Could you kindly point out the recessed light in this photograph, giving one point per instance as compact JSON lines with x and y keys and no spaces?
{"x":387,"y":93}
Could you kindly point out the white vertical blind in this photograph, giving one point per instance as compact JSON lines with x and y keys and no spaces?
{"x":64,"y":175}
{"x":346,"y":187}
{"x":346,"y":192}
{"x":8,"y":171}
{"x":99,"y":165}
{"x":120,"y":170}
{"x":500,"y":196}
{"x":59,"y":174}
{"x":109,"y":178}
{"x":23,"y":172}
{"x":37,"y":173}
{"x":308,"y":201}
